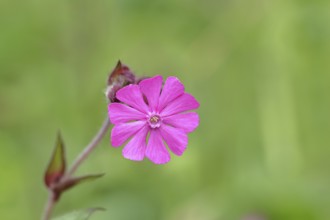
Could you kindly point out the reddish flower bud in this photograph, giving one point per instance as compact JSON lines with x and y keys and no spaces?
{"x":121,"y":76}
{"x":57,"y":164}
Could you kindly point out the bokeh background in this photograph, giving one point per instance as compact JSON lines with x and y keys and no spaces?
{"x":260,"y":70}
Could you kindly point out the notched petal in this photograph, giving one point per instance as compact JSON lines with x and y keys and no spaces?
{"x":156,"y":150}
{"x":135,"y":148}
{"x":181,"y":104}
{"x":132,"y":96}
{"x":188,"y":122}
{"x":175,"y":138}
{"x":120,"y":113}
{"x":151,"y":89}
{"x":172,"y":89}
{"x":122,"y":132}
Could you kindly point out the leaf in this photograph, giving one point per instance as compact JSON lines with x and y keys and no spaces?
{"x":79,"y":215}
{"x":57,"y":165}
{"x":91,"y":211}
{"x":67,"y":184}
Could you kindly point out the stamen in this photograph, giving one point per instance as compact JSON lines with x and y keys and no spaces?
{"x":154,"y":121}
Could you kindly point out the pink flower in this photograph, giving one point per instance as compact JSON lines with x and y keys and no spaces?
{"x":162,"y":112}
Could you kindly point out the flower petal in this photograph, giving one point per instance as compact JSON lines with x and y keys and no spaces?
{"x":120,"y":113}
{"x":121,"y":132}
{"x":151,"y":89}
{"x":181,"y":104}
{"x":186,"y":121}
{"x":156,"y":150}
{"x":132,"y":96}
{"x":172,"y":89}
{"x":136,"y":147}
{"x":175,"y":138}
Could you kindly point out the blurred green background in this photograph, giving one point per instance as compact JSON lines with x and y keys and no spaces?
{"x":260,"y":70}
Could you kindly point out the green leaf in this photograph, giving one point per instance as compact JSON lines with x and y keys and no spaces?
{"x":57,"y":165}
{"x":79,"y":215}
{"x":76,"y":180}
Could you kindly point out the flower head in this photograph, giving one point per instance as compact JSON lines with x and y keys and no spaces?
{"x":160,"y":111}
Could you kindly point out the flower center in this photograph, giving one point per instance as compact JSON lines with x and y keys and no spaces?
{"x":154,"y":121}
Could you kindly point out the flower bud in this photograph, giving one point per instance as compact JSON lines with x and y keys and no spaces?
{"x":121,"y":76}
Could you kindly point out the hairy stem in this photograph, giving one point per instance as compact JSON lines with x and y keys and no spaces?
{"x":89,"y":148}
{"x":80,"y":158}
{"x":49,"y":206}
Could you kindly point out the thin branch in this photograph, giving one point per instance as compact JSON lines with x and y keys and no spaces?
{"x":89,"y":148}
{"x":80,"y":158}
{"x":49,"y":206}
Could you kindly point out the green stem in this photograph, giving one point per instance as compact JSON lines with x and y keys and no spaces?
{"x":80,"y":158}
